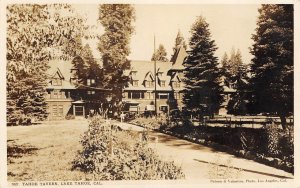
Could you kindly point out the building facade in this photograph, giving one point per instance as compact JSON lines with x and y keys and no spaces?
{"x":65,"y":98}
{"x":166,"y":83}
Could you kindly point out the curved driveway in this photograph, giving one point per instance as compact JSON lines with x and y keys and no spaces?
{"x":201,"y":162}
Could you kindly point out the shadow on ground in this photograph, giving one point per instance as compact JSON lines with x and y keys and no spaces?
{"x":243,"y":169}
{"x":174,"y":141}
{"x":17,"y":151}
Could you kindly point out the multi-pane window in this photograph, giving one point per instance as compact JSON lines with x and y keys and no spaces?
{"x":136,"y":95}
{"x":90,"y":82}
{"x":149,"y":95}
{"x":163,"y":83}
{"x":57,"y":94}
{"x":135,"y":83}
{"x":178,"y":95}
{"x":90,"y":92}
{"x":176,"y":84}
{"x":57,"y":110}
{"x":56,"y":82}
{"x":149,"y":84}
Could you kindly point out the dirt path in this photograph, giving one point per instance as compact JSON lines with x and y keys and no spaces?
{"x":201,"y":162}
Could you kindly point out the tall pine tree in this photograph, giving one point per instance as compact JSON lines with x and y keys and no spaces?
{"x":202,"y":76}
{"x":117,"y":20}
{"x":273,"y":63}
{"x":160,"y":54}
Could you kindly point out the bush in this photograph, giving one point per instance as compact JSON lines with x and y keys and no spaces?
{"x":110,"y":153}
{"x":69,"y":116}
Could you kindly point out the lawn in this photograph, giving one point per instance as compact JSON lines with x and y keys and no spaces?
{"x":44,"y":152}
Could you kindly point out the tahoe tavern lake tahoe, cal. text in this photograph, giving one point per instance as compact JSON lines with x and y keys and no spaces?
{"x":54,"y":183}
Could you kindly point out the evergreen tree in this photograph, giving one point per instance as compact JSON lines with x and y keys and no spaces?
{"x":272,"y":67}
{"x":41,"y":34}
{"x":202,"y":76}
{"x":117,"y":20}
{"x":160,"y":54}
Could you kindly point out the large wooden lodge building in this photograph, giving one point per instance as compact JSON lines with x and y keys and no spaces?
{"x":64,"y":98}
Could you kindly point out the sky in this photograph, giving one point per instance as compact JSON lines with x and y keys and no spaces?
{"x":231,"y":26}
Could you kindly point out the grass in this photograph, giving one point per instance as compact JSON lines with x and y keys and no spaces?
{"x":44,"y":152}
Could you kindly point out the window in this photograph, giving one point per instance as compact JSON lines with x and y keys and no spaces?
{"x":56,"y":82}
{"x":176,"y":95}
{"x":136,"y":95}
{"x":149,"y":95}
{"x":163,"y":95}
{"x":90,"y":92}
{"x":163,"y":109}
{"x":133,"y":73}
{"x":135,"y":83}
{"x":149,"y":84}
{"x":163,"y":83}
{"x":57,"y":110}
{"x":90,"y":82}
{"x":176,"y":84}
{"x":57,"y":94}
{"x":181,"y":95}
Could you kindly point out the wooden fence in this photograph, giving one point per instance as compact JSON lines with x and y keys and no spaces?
{"x":242,"y":121}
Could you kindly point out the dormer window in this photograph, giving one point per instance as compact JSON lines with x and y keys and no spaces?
{"x":149,"y":83}
{"x":176,"y":84}
{"x":56,"y":82}
{"x":162,"y":83}
{"x":135,"y":83}
{"x":133,"y":73}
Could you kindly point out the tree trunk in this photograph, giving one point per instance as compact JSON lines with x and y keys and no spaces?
{"x":283,"y":121}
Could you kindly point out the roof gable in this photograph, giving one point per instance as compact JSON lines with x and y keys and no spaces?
{"x":175,"y":77}
{"x":178,"y":58}
{"x":58,"y":74}
{"x":149,"y":76}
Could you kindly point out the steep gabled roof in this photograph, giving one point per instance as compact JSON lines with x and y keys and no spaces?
{"x":63,"y":69}
{"x":149,"y":75}
{"x":58,"y":73}
{"x":145,"y":69}
{"x":178,"y":58}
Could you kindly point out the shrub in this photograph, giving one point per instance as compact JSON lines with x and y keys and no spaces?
{"x":69,"y":116}
{"x":110,"y":153}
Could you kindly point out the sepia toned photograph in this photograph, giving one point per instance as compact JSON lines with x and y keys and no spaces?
{"x":124,"y":93}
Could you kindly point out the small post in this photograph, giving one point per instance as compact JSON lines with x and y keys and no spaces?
{"x":110,"y":139}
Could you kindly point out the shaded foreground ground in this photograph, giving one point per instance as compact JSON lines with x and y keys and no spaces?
{"x":45,"y":153}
